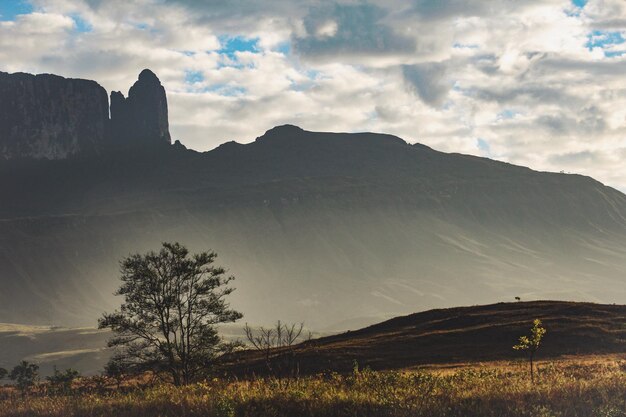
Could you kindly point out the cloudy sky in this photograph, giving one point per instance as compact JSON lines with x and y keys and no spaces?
{"x":540,"y":83}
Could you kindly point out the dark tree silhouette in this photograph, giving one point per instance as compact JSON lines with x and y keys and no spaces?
{"x":61,"y":382}
{"x":115,"y":369}
{"x":172,"y":302}
{"x":25,"y":375}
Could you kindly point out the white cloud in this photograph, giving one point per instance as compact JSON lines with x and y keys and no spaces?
{"x":33,"y":37}
{"x":535,"y":82}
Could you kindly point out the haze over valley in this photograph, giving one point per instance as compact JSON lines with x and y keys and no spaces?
{"x":337,"y":230}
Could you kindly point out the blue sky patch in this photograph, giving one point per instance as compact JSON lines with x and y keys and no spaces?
{"x":605,"y":40}
{"x":284,"y":48}
{"x":193,"y":77}
{"x":483,"y":145}
{"x":11,"y":8}
{"x":506,"y":114}
{"x":579,"y":5}
{"x":601,"y":38}
{"x":313,"y":74}
{"x":81,"y":24}
{"x":224,"y":89}
{"x":231,"y":45}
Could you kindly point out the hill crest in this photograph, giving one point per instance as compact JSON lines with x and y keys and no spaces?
{"x":459,"y":335}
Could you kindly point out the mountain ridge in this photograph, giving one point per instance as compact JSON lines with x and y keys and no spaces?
{"x":319,"y":227}
{"x":345,"y":225}
{"x":326,"y":156}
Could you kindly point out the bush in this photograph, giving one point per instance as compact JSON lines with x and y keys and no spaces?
{"x":61,"y":382}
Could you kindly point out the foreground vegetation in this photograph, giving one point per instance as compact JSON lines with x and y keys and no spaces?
{"x":165,"y":330}
{"x":590,"y":388}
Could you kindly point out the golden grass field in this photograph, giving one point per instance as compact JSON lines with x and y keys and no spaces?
{"x":592,"y":386}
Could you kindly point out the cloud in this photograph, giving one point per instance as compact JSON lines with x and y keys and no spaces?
{"x":536,"y":82}
{"x":356,"y":30}
{"x":33,"y":37}
{"x":429,"y":81}
{"x":605,"y":14}
{"x":574,"y":158}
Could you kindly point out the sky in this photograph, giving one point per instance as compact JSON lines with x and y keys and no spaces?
{"x":534,"y":83}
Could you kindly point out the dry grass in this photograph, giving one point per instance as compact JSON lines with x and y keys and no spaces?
{"x":565,"y":389}
{"x":459,"y":334}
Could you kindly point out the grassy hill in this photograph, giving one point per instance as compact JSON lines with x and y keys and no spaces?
{"x":434,"y":337}
{"x":585,"y":384}
{"x":457,"y":335}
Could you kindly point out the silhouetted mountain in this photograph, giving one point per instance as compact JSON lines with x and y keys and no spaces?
{"x":321,"y":227}
{"x":141,"y":118}
{"x":50,"y":117}
{"x":47,"y":116}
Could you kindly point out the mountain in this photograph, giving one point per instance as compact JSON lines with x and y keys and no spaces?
{"x":141,"y":118}
{"x":50,"y":117}
{"x":457,"y":335}
{"x":47,"y":116}
{"x":326,"y":228}
{"x":318,"y":227}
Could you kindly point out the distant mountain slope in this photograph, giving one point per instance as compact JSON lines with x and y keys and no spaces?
{"x":320,"y":227}
{"x":461,"y":334}
{"x":83,"y":349}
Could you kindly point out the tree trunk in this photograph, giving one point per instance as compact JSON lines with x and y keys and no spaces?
{"x":176,"y":378}
{"x":532,"y":371}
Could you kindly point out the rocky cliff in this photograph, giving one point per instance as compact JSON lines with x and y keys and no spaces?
{"x":141,"y":118}
{"x":47,"y":116}
{"x":50,"y":117}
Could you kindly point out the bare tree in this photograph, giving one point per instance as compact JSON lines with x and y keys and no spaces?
{"x":271,"y":343}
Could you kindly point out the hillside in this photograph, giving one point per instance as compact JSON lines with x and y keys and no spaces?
{"x":436,"y":337}
{"x":317,"y":227}
{"x":458,"y":335}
